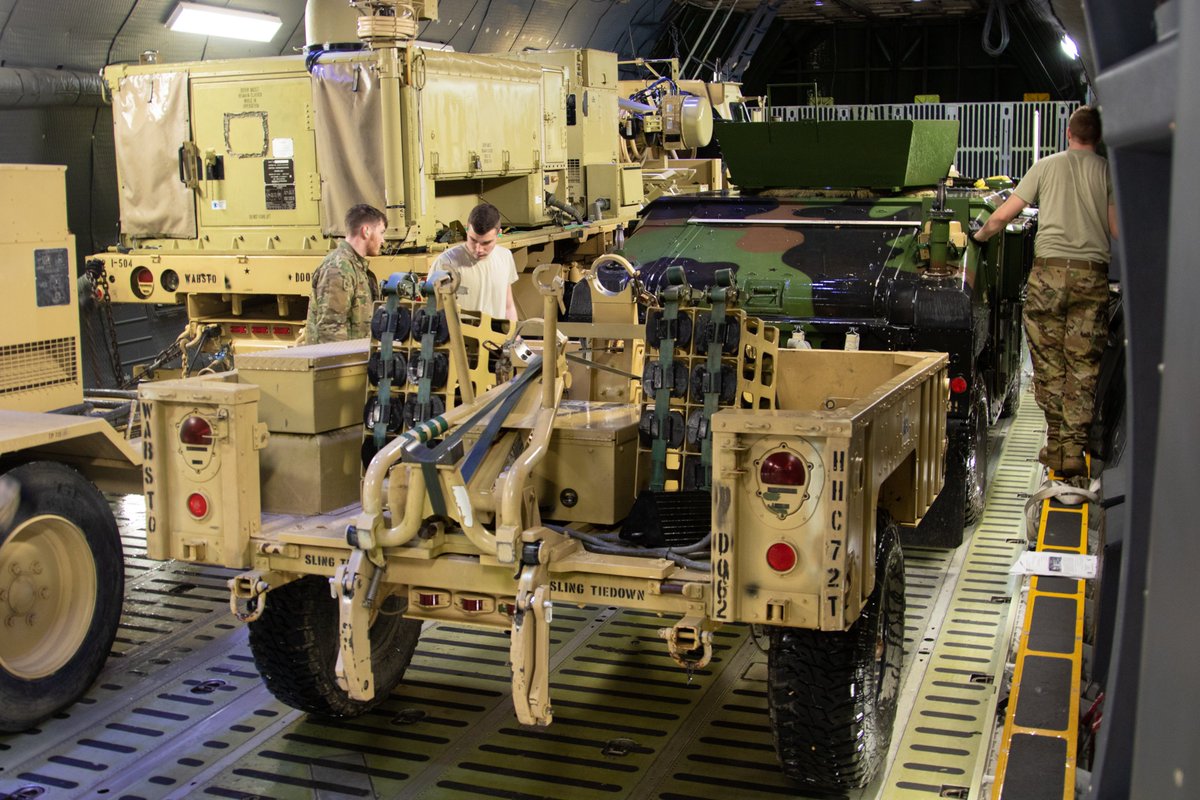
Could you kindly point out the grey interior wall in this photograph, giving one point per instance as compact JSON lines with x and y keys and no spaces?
{"x":81,"y":138}
{"x":624,"y":26}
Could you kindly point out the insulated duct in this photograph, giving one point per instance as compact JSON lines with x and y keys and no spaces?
{"x":22,"y":87}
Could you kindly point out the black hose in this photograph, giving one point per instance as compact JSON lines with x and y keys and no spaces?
{"x":119,"y":414}
{"x":118,"y":394}
{"x":79,"y":409}
{"x":995,"y":9}
{"x":554,"y":202}
{"x":598,"y":545}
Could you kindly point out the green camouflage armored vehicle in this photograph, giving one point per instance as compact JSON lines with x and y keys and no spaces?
{"x":852,"y":227}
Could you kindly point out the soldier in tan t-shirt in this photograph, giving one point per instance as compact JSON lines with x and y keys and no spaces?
{"x":486,"y":270}
{"x":1065,"y":307}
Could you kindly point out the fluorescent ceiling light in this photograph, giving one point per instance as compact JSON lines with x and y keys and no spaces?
{"x":227,"y":22}
{"x":1069,"y":47}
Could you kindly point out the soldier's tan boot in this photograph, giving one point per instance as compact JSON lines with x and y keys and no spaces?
{"x":1074,"y":463}
{"x":1052,"y":454}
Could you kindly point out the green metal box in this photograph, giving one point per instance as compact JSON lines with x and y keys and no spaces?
{"x":874,"y":154}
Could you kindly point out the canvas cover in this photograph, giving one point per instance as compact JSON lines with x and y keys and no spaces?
{"x":150,"y":121}
{"x":349,"y":133}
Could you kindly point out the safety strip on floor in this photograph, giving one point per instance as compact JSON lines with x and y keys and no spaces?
{"x":944,"y":747}
{"x":1038,"y":747}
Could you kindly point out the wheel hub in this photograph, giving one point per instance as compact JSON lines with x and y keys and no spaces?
{"x":48,"y":590}
{"x":22,"y":595}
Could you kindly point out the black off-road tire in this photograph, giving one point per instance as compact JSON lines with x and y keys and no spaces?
{"x":62,"y":581}
{"x":295,"y":647}
{"x":833,"y":696}
{"x":1012,"y":396}
{"x":975,"y":468}
{"x":1012,"y":392}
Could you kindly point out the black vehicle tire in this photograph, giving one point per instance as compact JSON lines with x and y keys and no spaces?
{"x":975,"y":466}
{"x":295,"y":647}
{"x":833,"y":696}
{"x":1012,"y":395}
{"x":62,"y":581}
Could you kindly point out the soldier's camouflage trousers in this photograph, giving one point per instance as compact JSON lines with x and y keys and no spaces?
{"x":1066,"y":323}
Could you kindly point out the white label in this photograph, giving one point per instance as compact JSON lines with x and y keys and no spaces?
{"x":1064,"y":565}
{"x":218,"y":205}
{"x":282,"y":148}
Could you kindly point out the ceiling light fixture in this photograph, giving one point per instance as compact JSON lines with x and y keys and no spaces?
{"x":1069,"y":47}
{"x":230,"y":23}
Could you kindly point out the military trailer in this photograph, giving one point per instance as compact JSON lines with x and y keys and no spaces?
{"x":500,"y":477}
{"x":235,"y":176}
{"x":61,"y":570}
{"x":849,"y":231}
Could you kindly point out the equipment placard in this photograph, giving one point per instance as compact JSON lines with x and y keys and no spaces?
{"x":281,"y":198}
{"x":52,"y":277}
{"x":278,"y":171}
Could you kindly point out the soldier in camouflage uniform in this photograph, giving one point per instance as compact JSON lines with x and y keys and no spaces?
{"x":1065,"y":307}
{"x":344,"y":290}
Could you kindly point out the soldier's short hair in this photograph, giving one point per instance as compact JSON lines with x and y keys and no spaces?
{"x":1084,"y":125}
{"x":363,"y":214}
{"x":484,"y":217}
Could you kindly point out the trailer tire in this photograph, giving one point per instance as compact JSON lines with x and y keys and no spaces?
{"x":833,"y":695}
{"x":295,"y":647}
{"x":62,"y":584}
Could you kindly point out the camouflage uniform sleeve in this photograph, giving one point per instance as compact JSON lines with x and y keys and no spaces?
{"x":332,"y":292}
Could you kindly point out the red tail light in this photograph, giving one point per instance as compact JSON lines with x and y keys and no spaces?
{"x":197,"y":505}
{"x":958,"y":384}
{"x":259,"y":329}
{"x":282,"y":330}
{"x":143,"y":282}
{"x":782,"y":469}
{"x":237,"y":328}
{"x":195,"y":430}
{"x":781,"y":557}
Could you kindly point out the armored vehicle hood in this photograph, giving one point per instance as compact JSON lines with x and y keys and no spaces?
{"x":798,"y":259}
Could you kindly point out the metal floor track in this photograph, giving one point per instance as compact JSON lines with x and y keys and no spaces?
{"x":944,"y":748}
{"x":180,"y":710}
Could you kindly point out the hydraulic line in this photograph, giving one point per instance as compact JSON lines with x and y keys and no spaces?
{"x":598,"y":545}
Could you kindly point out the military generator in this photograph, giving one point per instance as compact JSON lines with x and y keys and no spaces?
{"x":235,"y":175}
{"x":61,"y":571}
